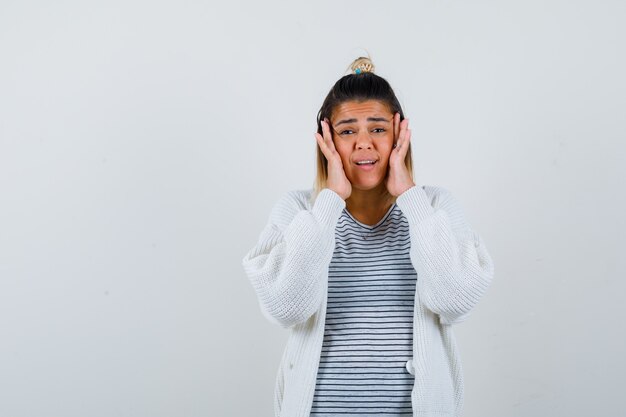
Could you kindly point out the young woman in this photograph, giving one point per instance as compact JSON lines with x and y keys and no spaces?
{"x":367,"y":270}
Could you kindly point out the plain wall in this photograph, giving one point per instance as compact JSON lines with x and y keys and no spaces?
{"x":144,"y":143}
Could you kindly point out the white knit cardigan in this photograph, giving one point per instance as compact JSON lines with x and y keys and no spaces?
{"x":288,"y":268}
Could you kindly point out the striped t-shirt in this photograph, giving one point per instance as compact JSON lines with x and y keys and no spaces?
{"x":368,"y":331}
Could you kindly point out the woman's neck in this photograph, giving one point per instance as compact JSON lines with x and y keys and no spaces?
{"x":369,"y":206}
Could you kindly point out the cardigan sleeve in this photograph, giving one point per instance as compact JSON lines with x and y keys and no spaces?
{"x":288,"y":264}
{"x":454,"y":268}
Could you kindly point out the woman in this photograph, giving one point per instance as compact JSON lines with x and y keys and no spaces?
{"x":367,"y":270}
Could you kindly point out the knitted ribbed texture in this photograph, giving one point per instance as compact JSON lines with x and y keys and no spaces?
{"x":288,"y":268}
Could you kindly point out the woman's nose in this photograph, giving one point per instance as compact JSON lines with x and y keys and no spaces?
{"x":364,"y":140}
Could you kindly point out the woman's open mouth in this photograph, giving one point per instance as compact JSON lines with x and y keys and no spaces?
{"x":367,"y":165}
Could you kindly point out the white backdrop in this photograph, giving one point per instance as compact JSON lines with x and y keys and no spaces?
{"x":143,"y":144}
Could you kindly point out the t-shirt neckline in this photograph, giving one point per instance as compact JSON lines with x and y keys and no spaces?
{"x":367,"y":226}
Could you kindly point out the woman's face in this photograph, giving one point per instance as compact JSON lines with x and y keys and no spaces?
{"x":363,"y":131}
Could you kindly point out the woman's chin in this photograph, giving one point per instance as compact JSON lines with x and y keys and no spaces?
{"x":367,"y":185}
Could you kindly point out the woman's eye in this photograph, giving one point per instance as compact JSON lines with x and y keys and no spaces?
{"x":379,"y":130}
{"x":345,"y":132}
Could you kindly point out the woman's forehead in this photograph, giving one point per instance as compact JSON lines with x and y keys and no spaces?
{"x":362,"y":110}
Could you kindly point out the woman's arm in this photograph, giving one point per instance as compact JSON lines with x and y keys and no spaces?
{"x":453,"y":266}
{"x":290,"y":260}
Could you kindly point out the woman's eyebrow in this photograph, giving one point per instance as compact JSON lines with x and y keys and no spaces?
{"x":377,"y":119}
{"x":369,"y":119}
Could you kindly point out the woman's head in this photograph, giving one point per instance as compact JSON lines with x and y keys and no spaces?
{"x":360,"y":91}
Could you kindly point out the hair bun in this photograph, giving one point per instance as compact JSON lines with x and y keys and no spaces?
{"x":361,"y":65}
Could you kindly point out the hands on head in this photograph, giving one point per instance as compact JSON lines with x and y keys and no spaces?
{"x":337,"y":180}
{"x":397,"y":180}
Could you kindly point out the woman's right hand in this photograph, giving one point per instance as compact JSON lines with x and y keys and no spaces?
{"x":337,"y":180}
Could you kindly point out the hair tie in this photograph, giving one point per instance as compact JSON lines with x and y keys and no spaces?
{"x":361,"y":65}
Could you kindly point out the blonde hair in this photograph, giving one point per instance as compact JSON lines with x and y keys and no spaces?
{"x":362,"y":64}
{"x":361,"y":84}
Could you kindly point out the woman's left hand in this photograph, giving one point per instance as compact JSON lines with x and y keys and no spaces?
{"x":398,"y":177}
